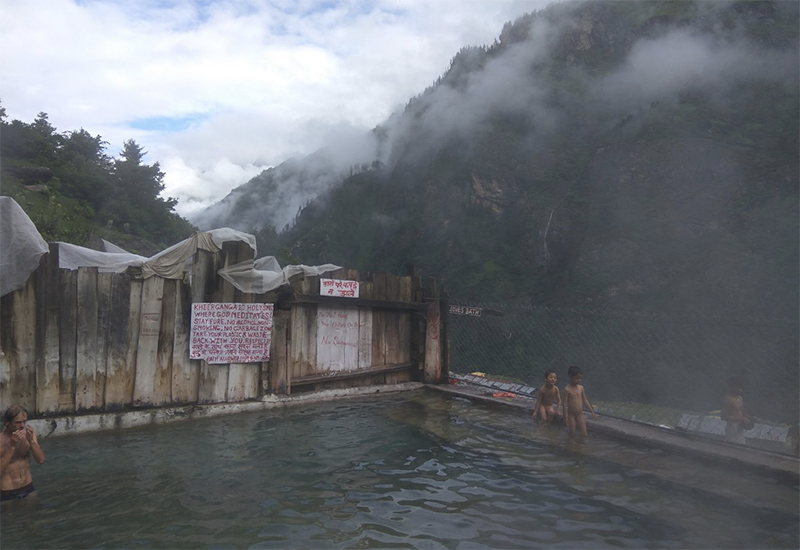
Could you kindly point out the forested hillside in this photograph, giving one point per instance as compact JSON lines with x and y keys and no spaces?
{"x":629,"y":155}
{"x":75,"y":192}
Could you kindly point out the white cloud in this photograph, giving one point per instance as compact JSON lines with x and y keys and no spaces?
{"x":216,"y":91}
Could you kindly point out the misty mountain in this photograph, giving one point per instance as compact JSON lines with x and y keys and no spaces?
{"x":634,"y":155}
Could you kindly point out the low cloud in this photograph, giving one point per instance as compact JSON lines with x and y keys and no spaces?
{"x":248,"y":85}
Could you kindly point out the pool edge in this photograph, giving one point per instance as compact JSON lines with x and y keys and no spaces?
{"x":668,"y":439}
{"x":89,"y":423}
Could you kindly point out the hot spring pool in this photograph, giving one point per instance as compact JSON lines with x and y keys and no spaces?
{"x":412,"y":470}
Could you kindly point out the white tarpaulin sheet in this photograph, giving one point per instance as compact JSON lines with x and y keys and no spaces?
{"x":21,"y":247}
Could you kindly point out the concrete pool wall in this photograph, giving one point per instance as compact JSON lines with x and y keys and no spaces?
{"x":79,"y":424}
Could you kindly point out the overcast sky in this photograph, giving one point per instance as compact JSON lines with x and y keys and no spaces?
{"x":217,"y":91}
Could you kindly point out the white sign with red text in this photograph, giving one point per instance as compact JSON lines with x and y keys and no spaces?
{"x":231,"y":333}
{"x":337,"y":287}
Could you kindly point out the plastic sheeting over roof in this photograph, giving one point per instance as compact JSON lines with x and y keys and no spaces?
{"x":21,"y":247}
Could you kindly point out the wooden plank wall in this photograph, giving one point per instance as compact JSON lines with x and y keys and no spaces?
{"x":83,"y":341}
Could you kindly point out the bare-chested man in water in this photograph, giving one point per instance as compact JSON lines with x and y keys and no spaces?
{"x":17,"y":443}
{"x":574,"y":401}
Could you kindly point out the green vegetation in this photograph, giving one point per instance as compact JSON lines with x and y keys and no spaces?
{"x":687,"y":204}
{"x":74,"y":192}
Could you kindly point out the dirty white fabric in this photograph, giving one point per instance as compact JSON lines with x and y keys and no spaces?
{"x":21,"y":246}
{"x":265,"y":274}
{"x":72,"y":256}
{"x":169,"y":263}
{"x":172,"y":262}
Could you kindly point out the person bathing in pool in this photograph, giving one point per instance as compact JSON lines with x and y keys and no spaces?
{"x":574,"y":400}
{"x":18,"y":442}
{"x":548,"y":402}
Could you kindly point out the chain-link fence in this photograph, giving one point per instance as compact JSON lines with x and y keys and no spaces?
{"x":669,"y":371}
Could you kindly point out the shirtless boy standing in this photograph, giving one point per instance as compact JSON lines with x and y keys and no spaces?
{"x":736,"y":421}
{"x":548,"y":395}
{"x":17,"y":443}
{"x":574,"y":400}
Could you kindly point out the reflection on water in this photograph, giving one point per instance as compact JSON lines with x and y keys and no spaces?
{"x":412,"y":470}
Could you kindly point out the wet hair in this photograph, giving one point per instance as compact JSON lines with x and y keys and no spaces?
{"x":12,"y":412}
{"x":574,"y":371}
{"x":548,"y":373}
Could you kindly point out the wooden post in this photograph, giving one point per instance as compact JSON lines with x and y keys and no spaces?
{"x":87,"y":324}
{"x":279,"y":379}
{"x":302,"y":334}
{"x":379,"y":321}
{"x":147,"y":350}
{"x":392,"y":321}
{"x":119,"y":373}
{"x":404,"y":334}
{"x":68,"y":340}
{"x":418,"y":322}
{"x":162,"y":379}
{"x":18,"y":362}
{"x":185,"y":373}
{"x":433,"y":353}
{"x":105,"y":316}
{"x":47,"y":369}
{"x":444,"y":338}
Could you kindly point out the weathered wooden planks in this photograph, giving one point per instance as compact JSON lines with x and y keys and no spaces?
{"x":68,"y":340}
{"x":104,"y":320}
{"x":302,"y":339}
{"x":83,"y":341}
{"x":147,"y":349}
{"x":378,"y":321}
{"x":87,"y":332}
{"x":47,"y":352}
{"x":162,"y":380}
{"x":392,"y":321}
{"x":185,"y":373}
{"x":121,"y":362}
{"x":433,"y":352}
{"x":279,"y":373}
{"x":18,"y":337}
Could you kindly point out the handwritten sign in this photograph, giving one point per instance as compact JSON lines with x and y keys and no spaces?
{"x":344,"y":335}
{"x":231,"y":333}
{"x":337,"y":287}
{"x":150,"y":324}
{"x":465,"y":310}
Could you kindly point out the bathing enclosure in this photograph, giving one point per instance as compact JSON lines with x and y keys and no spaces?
{"x":84,"y":341}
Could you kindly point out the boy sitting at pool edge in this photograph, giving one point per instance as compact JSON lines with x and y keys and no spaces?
{"x":574,"y":400}
{"x":548,"y":395}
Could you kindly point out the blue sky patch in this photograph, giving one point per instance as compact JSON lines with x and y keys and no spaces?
{"x":167,"y":124}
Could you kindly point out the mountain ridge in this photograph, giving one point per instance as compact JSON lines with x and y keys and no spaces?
{"x":630,"y":155}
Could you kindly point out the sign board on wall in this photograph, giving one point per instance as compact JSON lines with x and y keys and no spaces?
{"x":344,"y":338}
{"x":466,"y":310}
{"x":337,"y":287}
{"x":231,"y":333}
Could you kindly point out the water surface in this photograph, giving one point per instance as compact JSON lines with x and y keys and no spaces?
{"x":413,"y":470}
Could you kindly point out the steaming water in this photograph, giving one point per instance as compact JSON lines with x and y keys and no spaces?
{"x":412,"y":470}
